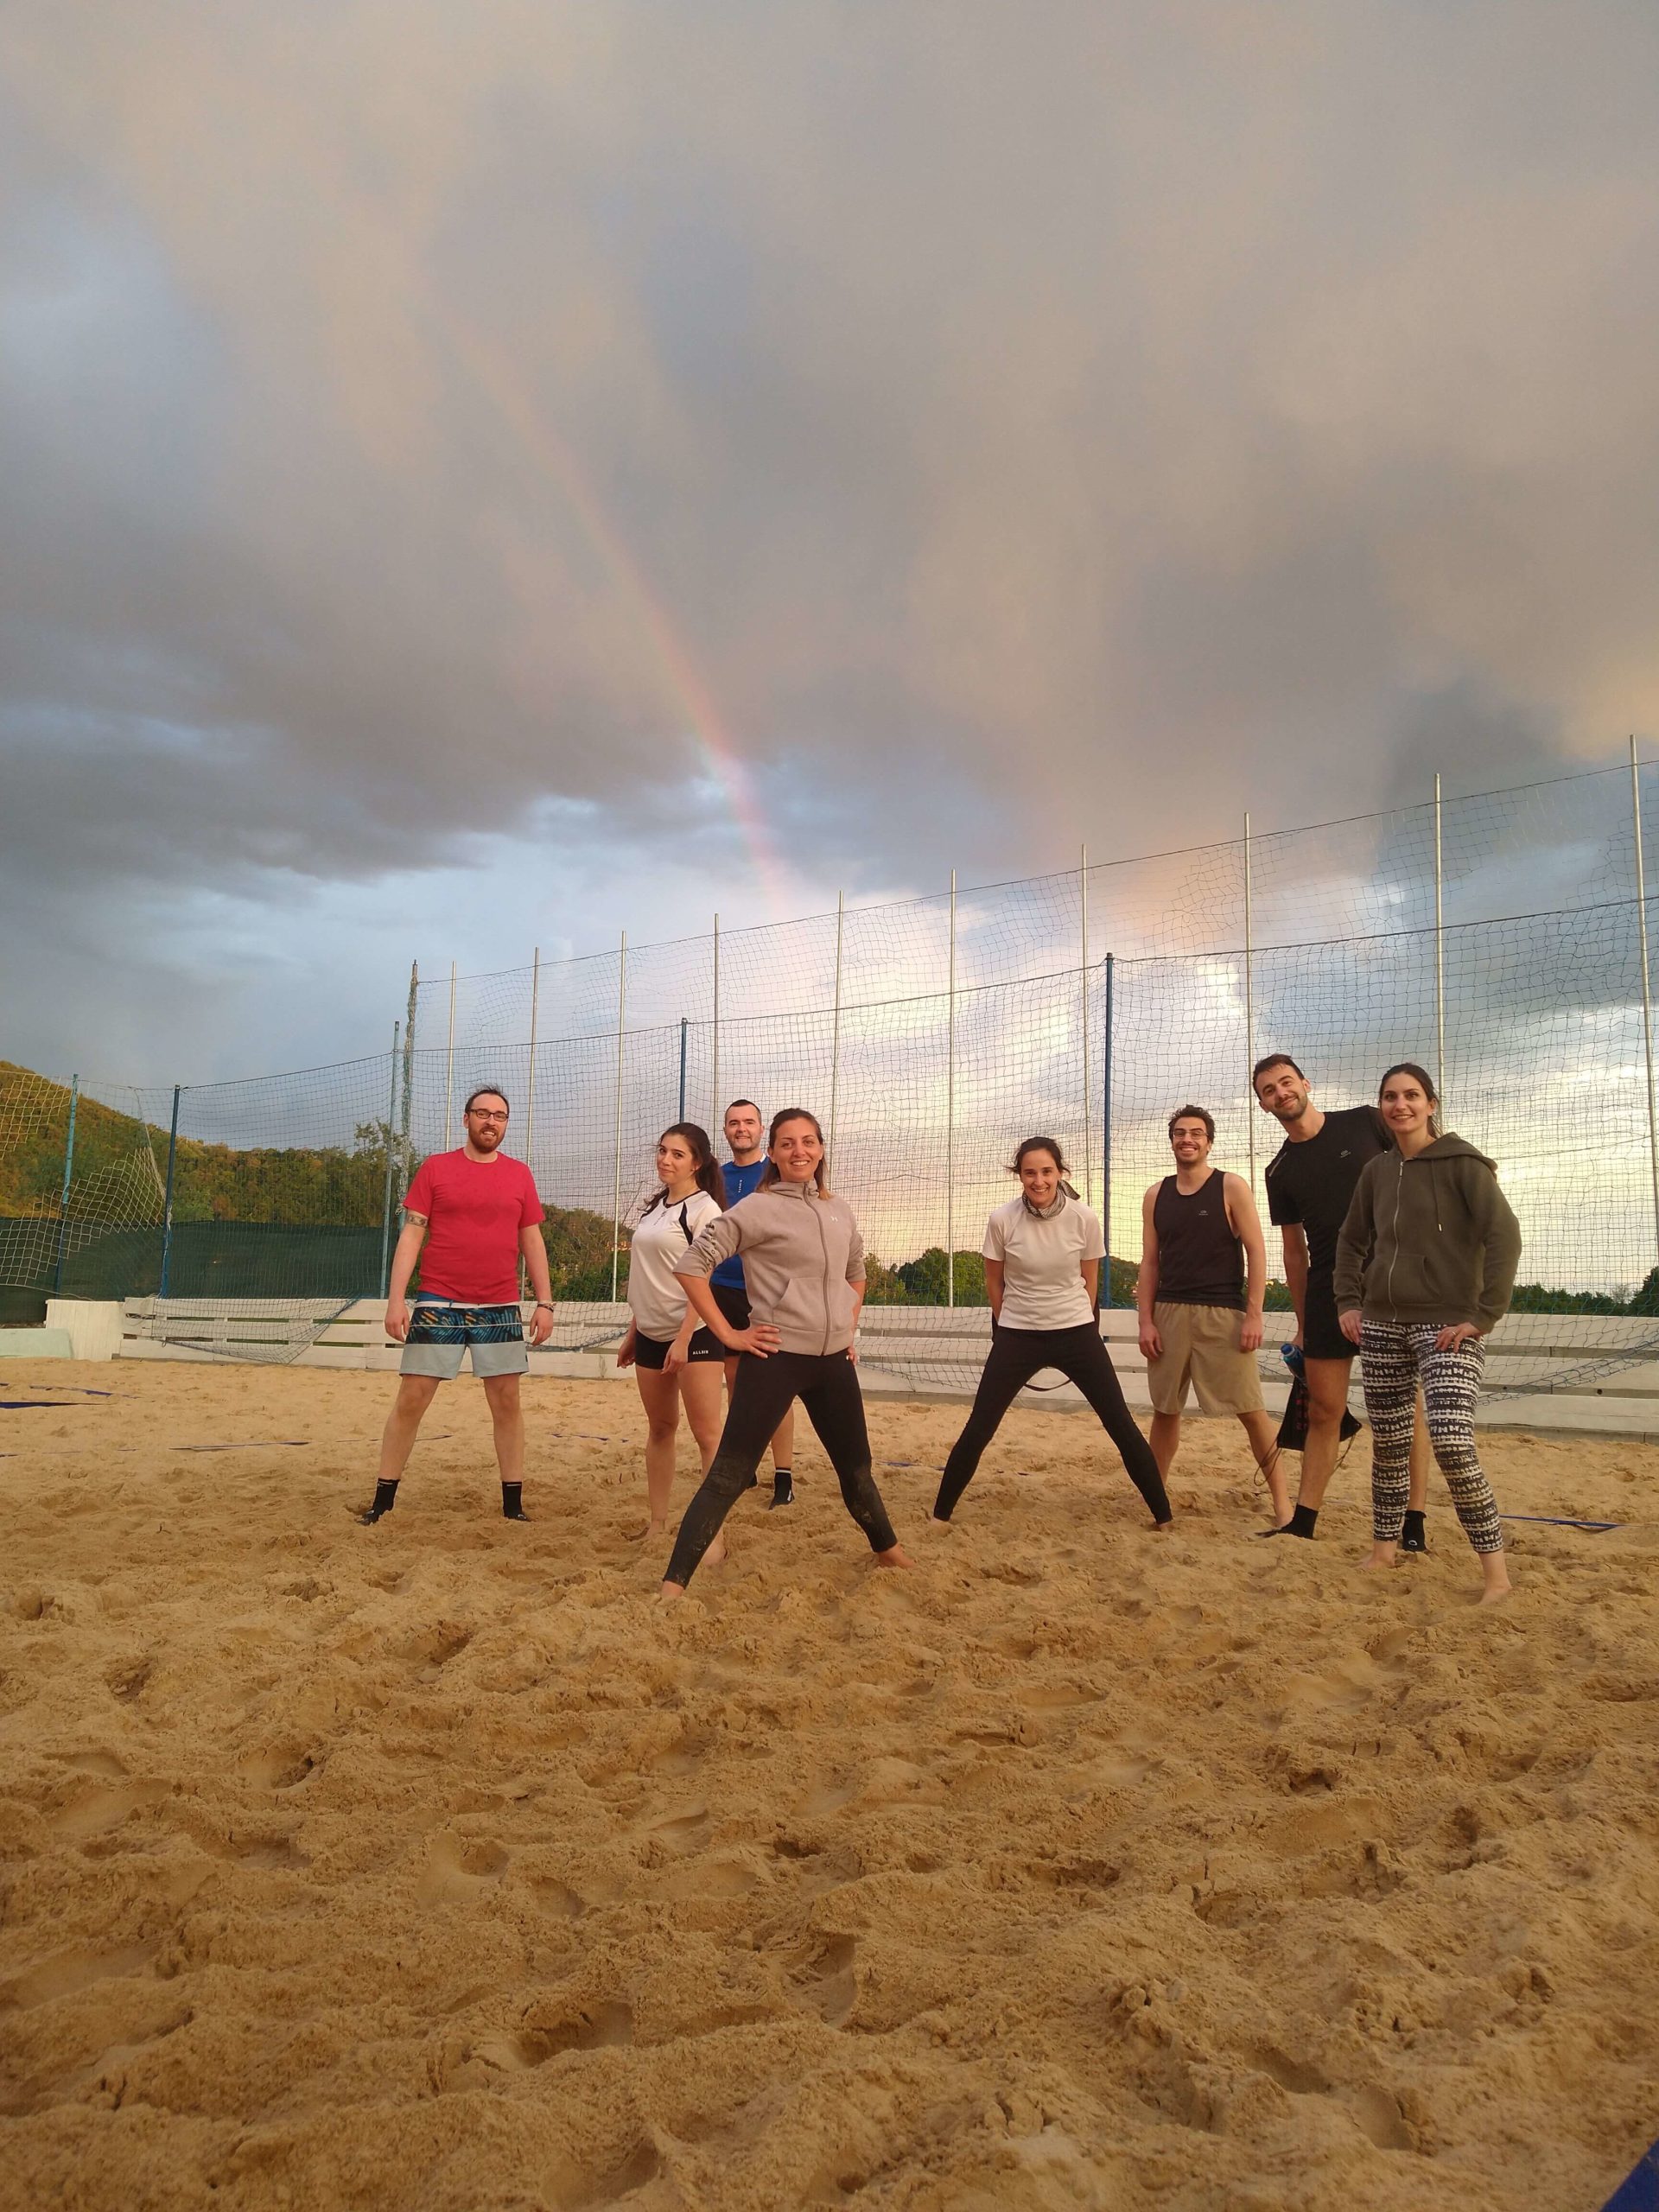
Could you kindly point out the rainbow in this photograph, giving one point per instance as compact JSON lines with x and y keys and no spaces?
{"x":683,"y":679}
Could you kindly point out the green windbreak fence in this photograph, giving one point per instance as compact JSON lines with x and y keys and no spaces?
{"x":209,"y":1259}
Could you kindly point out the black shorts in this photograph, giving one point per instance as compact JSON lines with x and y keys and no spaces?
{"x":733,"y":1303}
{"x":652,"y":1351}
{"x":1322,"y":1337}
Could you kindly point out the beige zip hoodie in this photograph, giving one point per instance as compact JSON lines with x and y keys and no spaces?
{"x":801,"y":1255}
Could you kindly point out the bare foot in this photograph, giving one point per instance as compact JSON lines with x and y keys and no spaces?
{"x":937,"y":1520}
{"x":669,"y":1591}
{"x":1495,"y":1579}
{"x":1162,"y":1527}
{"x":894,"y":1557}
{"x":642,"y":1535}
{"x":1382,"y":1555}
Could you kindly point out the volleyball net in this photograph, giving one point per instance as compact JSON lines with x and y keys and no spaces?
{"x":1499,"y":939}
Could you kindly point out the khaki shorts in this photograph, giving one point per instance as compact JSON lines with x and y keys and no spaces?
{"x":1201,"y":1347}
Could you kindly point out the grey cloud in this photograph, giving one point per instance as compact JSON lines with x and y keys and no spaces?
{"x":971,"y":417}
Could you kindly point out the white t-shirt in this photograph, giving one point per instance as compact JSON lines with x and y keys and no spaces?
{"x":1043,"y":1287}
{"x":656,"y":1294}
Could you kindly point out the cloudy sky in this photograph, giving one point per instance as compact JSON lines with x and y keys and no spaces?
{"x":473,"y":476}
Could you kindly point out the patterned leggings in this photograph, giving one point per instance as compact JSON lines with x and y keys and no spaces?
{"x":1394,"y":1357}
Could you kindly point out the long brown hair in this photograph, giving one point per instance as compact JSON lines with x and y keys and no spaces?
{"x":706,"y":1168}
{"x":769,"y":1174}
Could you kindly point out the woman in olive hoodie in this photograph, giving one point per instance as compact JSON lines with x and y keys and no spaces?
{"x":1425,"y":1265}
{"x":803,"y":1269}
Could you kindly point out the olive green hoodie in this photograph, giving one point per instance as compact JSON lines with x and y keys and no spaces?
{"x":1431,"y":1238}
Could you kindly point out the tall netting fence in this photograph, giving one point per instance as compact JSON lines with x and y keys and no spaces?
{"x":1498,"y":938}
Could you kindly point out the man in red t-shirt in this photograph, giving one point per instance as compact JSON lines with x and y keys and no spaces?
{"x":469,"y":1218}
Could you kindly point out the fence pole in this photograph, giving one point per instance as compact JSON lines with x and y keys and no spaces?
{"x":166,"y":1196}
{"x":385,"y":1204}
{"x":534,"y":1010}
{"x":1088,"y":1153}
{"x":714,"y":1078}
{"x":1440,"y":958}
{"x":834,"y":1032}
{"x":1647,"y":987}
{"x":1250,"y":996}
{"x":63,"y":1201}
{"x":950,"y":1112}
{"x":449,"y":1064}
{"x":682,"y":1031}
{"x":408,"y":1076}
{"x":616,"y":1155}
{"x":1106,"y":1138}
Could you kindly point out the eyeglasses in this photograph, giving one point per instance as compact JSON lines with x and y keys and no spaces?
{"x":479,"y":1114}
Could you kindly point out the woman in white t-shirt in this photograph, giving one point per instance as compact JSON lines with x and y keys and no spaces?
{"x":1043,"y":1252}
{"x":675,"y":1362}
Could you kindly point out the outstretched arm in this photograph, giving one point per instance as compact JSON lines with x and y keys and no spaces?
{"x":1146,"y":1287}
{"x":1246,"y":1225}
{"x":410,"y":1238}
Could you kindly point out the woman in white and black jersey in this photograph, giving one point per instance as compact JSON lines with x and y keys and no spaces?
{"x":675,"y":1362}
{"x":1043,"y":1252}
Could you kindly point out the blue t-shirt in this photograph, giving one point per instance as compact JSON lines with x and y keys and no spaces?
{"x":739,"y":1182}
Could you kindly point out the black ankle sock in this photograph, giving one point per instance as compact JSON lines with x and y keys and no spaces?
{"x":1413,"y":1537}
{"x":512,"y":1502}
{"x":385,"y":1496}
{"x":783,"y":1488}
{"x":1300,"y":1523}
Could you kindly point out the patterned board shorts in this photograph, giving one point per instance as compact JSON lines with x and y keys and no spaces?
{"x":441,"y":1330}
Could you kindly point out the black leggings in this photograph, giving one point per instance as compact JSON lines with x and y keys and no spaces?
{"x":764,"y":1390}
{"x":1016,"y":1356}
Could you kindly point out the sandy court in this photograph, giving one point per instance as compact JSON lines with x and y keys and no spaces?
{"x":434,"y":1866}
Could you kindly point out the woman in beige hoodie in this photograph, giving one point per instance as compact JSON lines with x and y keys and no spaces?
{"x":804,"y":1270}
{"x":1426,"y":1262}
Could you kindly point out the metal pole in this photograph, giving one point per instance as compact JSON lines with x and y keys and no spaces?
{"x":385,"y":1204}
{"x":449,"y":1064}
{"x":1083,"y":881}
{"x":1250,"y":997}
{"x":408,"y":1076}
{"x":166,"y":1198}
{"x":834,"y":1032}
{"x":616,"y":1156}
{"x":714,"y":1115}
{"x":534,"y":1010}
{"x":63,"y":1201}
{"x":682,"y":1031}
{"x":1106,"y":1140}
{"x":951,"y":1113}
{"x":1647,"y":987}
{"x":1439,"y":957}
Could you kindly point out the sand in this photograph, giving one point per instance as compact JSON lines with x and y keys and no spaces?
{"x":435,"y":1866}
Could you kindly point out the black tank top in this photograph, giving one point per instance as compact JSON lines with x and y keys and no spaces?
{"x":1200,"y":1261}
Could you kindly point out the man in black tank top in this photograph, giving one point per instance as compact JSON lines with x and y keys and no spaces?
{"x":1204,"y":1272}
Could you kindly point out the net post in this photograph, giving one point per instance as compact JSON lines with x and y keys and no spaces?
{"x":682,"y":1031}
{"x":951,"y":1111}
{"x":714,"y":1075}
{"x":616,"y":1152}
{"x":1088,"y":1156}
{"x":1439,"y":954}
{"x":534,"y":1010}
{"x":449,"y":1064}
{"x":166,"y":1195}
{"x":834,"y":1031}
{"x":1647,"y":986}
{"x":1250,"y":997}
{"x":1106,"y":1136}
{"x":63,"y":1201}
{"x":385,"y":1203}
{"x":408,"y":1076}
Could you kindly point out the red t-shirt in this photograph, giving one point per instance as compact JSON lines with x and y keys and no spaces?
{"x":474,"y":1209}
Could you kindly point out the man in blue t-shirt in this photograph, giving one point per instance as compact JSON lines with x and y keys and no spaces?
{"x":741,"y":1173}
